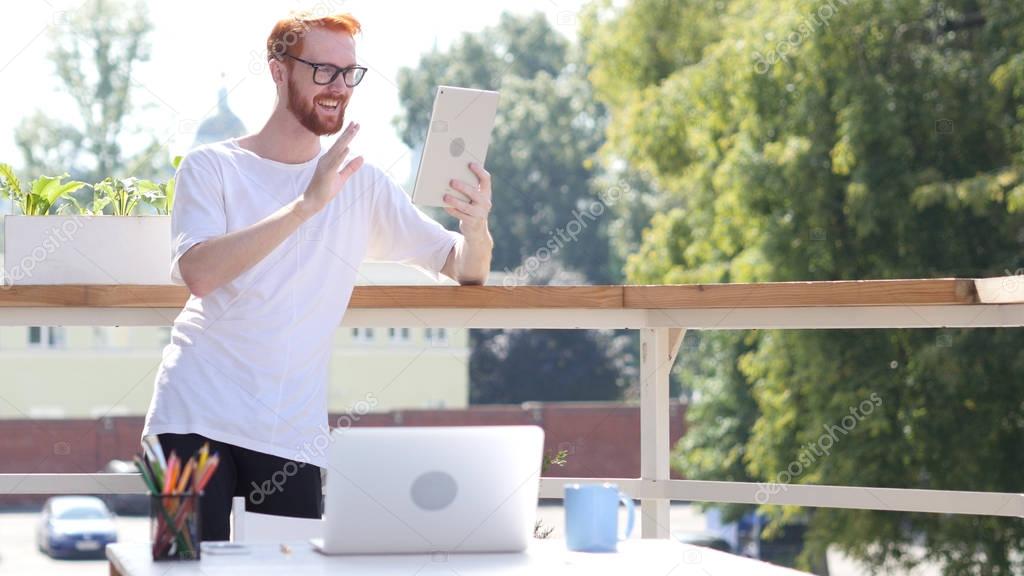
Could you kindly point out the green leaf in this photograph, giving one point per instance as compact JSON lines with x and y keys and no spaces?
{"x":169,"y":194}
{"x":145,"y":186}
{"x":51,"y":188}
{"x":34,"y":205}
{"x":79,"y":209}
{"x":124,"y":196}
{"x":99,"y":204}
{"x":12,"y":185}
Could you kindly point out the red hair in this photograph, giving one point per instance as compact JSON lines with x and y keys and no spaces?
{"x":289,"y":32}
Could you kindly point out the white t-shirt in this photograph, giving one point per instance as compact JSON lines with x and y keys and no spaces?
{"x":247,"y":364}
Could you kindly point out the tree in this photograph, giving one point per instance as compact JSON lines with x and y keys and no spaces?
{"x":551,"y":215}
{"x":547,"y":130}
{"x":95,"y":51}
{"x":515,"y":366}
{"x":837,"y":140}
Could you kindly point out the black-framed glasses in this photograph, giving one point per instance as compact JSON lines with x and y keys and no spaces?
{"x":324,"y":74}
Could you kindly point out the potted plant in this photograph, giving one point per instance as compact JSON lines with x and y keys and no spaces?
{"x":122,"y":236}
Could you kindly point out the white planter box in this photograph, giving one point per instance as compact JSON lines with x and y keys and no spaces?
{"x":87,"y":250}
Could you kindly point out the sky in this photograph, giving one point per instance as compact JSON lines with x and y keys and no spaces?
{"x":199,"y":46}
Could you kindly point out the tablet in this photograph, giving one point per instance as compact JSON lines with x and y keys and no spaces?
{"x":459,"y":133}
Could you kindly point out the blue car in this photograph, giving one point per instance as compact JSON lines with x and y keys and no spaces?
{"x":75,"y":526}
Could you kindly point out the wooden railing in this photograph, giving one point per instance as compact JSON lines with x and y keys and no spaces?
{"x":661,"y":313}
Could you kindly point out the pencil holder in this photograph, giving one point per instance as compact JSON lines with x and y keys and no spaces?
{"x":174,"y":526}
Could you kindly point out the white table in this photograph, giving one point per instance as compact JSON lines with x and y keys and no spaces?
{"x":657,"y":557}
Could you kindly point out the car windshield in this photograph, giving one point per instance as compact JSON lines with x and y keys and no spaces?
{"x":82,"y":514}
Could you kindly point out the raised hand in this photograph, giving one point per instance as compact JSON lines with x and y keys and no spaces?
{"x":330,"y":177}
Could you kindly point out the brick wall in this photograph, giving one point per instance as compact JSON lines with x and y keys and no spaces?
{"x":602,"y":439}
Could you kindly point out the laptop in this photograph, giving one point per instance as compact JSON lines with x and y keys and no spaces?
{"x":459,"y":133}
{"x":438,"y":490}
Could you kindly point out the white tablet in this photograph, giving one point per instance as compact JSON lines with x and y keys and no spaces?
{"x":459,"y":133}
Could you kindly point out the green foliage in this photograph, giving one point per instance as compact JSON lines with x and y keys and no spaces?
{"x":10,"y":187}
{"x":42,"y":194}
{"x":516,"y":366}
{"x":114,"y":196}
{"x":547,"y":130}
{"x":122,"y":196}
{"x":558,"y":459}
{"x":819,"y":140}
{"x":94,"y":50}
{"x":164,"y":203}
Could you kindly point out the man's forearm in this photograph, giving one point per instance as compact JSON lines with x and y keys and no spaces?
{"x":215,"y":262}
{"x":470,"y":261}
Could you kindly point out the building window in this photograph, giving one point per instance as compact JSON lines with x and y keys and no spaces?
{"x":46,"y":336}
{"x":97,"y":412}
{"x":436,"y":336}
{"x":46,"y":412}
{"x":55,"y":336}
{"x":398,"y":334}
{"x":100,"y":337}
{"x":362,"y":334}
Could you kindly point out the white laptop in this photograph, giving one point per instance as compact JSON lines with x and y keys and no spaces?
{"x":459,"y":133}
{"x":431,"y":489}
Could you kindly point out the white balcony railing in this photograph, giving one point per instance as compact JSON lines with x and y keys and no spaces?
{"x":661,"y":313}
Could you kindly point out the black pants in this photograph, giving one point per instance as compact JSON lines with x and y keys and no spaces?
{"x":271,"y":485}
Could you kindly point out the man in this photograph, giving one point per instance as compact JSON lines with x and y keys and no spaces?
{"x":268,"y":231}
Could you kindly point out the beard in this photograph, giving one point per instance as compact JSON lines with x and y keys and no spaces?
{"x":310,"y":116}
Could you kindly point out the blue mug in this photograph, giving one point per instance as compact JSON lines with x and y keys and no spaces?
{"x":592,"y":517}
